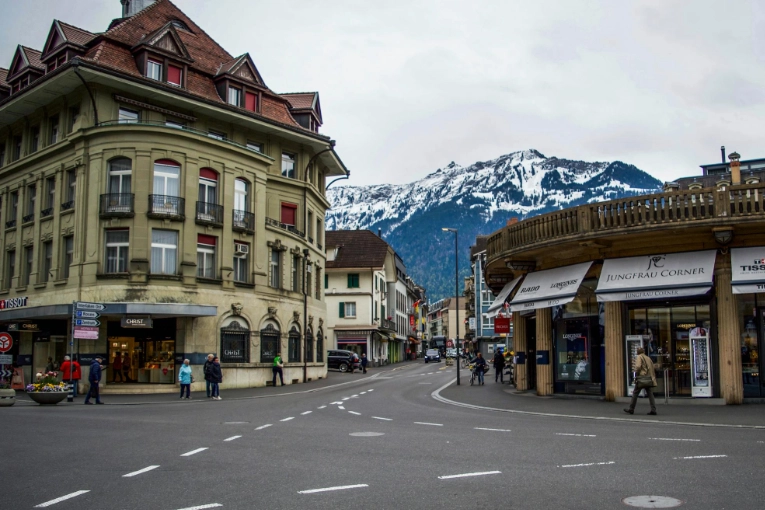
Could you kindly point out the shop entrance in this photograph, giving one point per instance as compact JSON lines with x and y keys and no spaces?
{"x":145,"y":356}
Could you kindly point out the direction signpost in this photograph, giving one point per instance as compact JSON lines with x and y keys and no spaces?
{"x":84,"y":327}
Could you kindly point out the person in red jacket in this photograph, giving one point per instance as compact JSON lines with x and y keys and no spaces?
{"x":76,"y":372}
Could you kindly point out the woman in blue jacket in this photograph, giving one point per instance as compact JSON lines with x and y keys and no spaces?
{"x":184,"y":377}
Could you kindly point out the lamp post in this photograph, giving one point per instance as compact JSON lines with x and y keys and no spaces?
{"x":457,"y":304}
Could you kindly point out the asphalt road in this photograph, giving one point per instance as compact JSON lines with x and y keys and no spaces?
{"x":381,"y":441}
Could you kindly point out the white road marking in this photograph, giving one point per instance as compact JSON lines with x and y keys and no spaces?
{"x":370,"y":390}
{"x":263,"y":426}
{"x":144,"y":470}
{"x":381,"y":418}
{"x":321,"y":407}
{"x":307,"y":412}
{"x":589,"y":464}
{"x":62,"y":498}
{"x":202,"y":507}
{"x":192,"y":452}
{"x":354,"y":396}
{"x":346,"y":398}
{"x":672,"y":439}
{"x":424,"y":383}
{"x":335,"y":403}
{"x":493,"y":430}
{"x":701,"y":457}
{"x":341,"y":407}
{"x":354,"y":412}
{"x":235,"y":422}
{"x":463,"y":475}
{"x":362,"y":392}
{"x":232,"y":438}
{"x":288,"y":418}
{"x":430,"y":373}
{"x":426,"y":423}
{"x":575,"y":435}
{"x":338,"y":488}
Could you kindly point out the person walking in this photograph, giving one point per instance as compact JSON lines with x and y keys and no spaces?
{"x":206,"y":372}
{"x":499,"y":365}
{"x":94,"y":377}
{"x":184,"y":377}
{"x":50,"y":367}
{"x":216,"y":374}
{"x":480,"y":367}
{"x":645,"y":379}
{"x":277,"y":369}
{"x":117,"y":368}
{"x":71,"y":372}
{"x":364,"y":362}
{"x":125,"y":362}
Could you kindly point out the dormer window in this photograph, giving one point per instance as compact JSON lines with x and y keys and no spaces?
{"x":154,"y":70}
{"x":234,"y":96}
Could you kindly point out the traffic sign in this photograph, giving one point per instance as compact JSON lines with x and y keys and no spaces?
{"x":6,"y":374}
{"x":6,"y":359}
{"x":85,"y":333}
{"x":87,"y":315}
{"x":86,"y":322}
{"x":6,"y":342}
{"x":82,"y":305}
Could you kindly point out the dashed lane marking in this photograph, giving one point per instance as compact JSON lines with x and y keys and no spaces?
{"x":336,"y":403}
{"x":673,"y":439}
{"x":574,"y":435}
{"x":588,"y":464}
{"x":424,"y":383}
{"x":354,"y":412}
{"x":62,"y":498}
{"x":370,"y":391}
{"x":426,"y":423}
{"x":362,"y":392}
{"x":140,"y":471}
{"x":193,"y":452}
{"x":202,"y":507}
{"x":306,"y":412}
{"x":346,"y":398}
{"x":338,"y":488}
{"x":232,"y":438}
{"x":263,"y":426}
{"x":341,"y":407}
{"x":701,"y":457}
{"x":321,"y":407}
{"x":354,"y":396}
{"x":463,"y":475}
{"x":381,"y":418}
{"x":493,"y":430}
{"x":288,"y":418}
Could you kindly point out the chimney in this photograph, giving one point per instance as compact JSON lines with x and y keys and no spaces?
{"x":722,"y":152}
{"x":512,"y":221}
{"x":379,"y":233}
{"x":133,"y":7}
{"x":735,"y":168}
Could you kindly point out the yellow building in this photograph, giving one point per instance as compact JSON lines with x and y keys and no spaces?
{"x":147,"y":169}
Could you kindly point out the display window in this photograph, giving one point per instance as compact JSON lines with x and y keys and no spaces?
{"x":572,"y":348}
{"x":751,"y":325}
{"x":145,"y":356}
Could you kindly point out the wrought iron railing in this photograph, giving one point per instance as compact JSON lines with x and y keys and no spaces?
{"x":28,"y":217}
{"x":67,"y":205}
{"x":243,"y":221}
{"x":209,"y":213}
{"x":388,"y":324}
{"x":284,"y":226}
{"x":166,"y":206}
{"x":10,"y":224}
{"x":117,"y":205}
{"x":48,"y":211}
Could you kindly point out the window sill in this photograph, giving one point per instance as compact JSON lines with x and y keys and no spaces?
{"x":4,"y":292}
{"x":67,"y":211}
{"x":170,"y":277}
{"x":60,"y":282}
{"x":112,"y":276}
{"x":244,"y":285}
{"x":40,"y":285}
{"x":215,"y":281}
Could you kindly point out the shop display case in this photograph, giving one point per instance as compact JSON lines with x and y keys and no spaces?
{"x":632,"y":344}
{"x":700,"y":374}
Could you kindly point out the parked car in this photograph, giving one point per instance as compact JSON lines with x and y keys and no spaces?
{"x":451,"y":353}
{"x":432,"y":355}
{"x":341,"y":360}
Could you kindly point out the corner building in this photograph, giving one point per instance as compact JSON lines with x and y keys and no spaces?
{"x":680,"y":273}
{"x":148,"y":169}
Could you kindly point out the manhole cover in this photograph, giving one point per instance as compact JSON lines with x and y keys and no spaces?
{"x":367,"y":434}
{"x":652,"y":502}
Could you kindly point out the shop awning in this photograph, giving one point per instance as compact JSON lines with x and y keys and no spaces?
{"x":748,"y":270}
{"x":656,"y":276}
{"x":496,"y":306}
{"x":551,"y":287}
{"x":155,"y":310}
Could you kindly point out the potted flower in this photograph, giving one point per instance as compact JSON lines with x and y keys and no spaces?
{"x":7,"y":394}
{"x":47,"y":390}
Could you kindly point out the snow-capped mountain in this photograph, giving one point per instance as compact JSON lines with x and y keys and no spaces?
{"x":476,"y":200}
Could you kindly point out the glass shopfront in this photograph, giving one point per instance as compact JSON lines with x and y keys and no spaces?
{"x":138,"y":355}
{"x":751,"y":309}
{"x":666,"y":332}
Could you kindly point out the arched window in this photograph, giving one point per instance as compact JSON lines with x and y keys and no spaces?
{"x":235,"y":343}
{"x":320,"y":346}
{"x":309,"y":346}
{"x":119,"y":185}
{"x":294,"y":345}
{"x":269,"y":343}
{"x":208,"y":186}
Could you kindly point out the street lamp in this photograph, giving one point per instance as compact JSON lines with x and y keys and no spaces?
{"x":457,"y":297}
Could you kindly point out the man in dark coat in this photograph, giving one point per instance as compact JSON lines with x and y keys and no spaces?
{"x":364,"y":362}
{"x":206,"y":372}
{"x":94,"y":378}
{"x":499,"y":364}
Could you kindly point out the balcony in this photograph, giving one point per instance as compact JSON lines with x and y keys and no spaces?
{"x":243,"y":221}
{"x":166,"y":206}
{"x":44,"y":213}
{"x":117,"y":205}
{"x":388,"y":324}
{"x":28,"y":218}
{"x":209,"y":214}
{"x":68,"y":205}
{"x":10,"y":224}
{"x":284,"y":226}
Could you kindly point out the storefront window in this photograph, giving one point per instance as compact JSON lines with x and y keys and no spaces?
{"x":573,"y":350}
{"x":269,"y":343}
{"x":294,"y":345}
{"x":749,"y":320}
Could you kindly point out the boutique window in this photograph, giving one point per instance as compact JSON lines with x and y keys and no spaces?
{"x":235,"y":343}
{"x":164,"y":251}
{"x":206,"y":256}
{"x":117,"y":242}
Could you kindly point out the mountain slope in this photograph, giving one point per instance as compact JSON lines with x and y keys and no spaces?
{"x":476,"y":200}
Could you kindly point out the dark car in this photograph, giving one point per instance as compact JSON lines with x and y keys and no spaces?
{"x":341,"y":360}
{"x":432,"y":355}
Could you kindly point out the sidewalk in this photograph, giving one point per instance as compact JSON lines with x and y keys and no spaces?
{"x":505,"y":398}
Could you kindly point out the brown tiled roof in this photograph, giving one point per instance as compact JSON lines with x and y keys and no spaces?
{"x":3,"y":76}
{"x":113,"y":56}
{"x":33,"y":56}
{"x":76,"y":35}
{"x":358,"y":248}
{"x":300,"y":100}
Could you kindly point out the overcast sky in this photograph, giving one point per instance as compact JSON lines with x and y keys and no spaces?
{"x":408,"y":86}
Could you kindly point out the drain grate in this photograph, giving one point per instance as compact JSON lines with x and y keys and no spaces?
{"x":652,"y":502}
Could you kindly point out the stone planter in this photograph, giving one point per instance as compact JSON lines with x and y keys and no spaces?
{"x":7,"y":398}
{"x":48,"y":397}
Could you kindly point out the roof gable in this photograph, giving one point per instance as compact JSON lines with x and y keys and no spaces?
{"x":243,"y":68}
{"x":356,"y":248}
{"x":166,"y":40}
{"x":64,"y":34}
{"x":25,"y":58}
{"x":304,"y":102}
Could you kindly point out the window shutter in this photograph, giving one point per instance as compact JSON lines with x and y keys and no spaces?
{"x":174,"y":75}
{"x":326,"y":280}
{"x":288,"y":214}
{"x":251,"y":102}
{"x":342,"y":310}
{"x":350,"y":281}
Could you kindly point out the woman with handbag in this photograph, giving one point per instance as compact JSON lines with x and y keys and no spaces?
{"x":645,"y":379}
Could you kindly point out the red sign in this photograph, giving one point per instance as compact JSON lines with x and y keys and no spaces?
{"x":6,"y":342}
{"x":502,"y":325}
{"x":411,"y":321}
{"x":449,"y":344}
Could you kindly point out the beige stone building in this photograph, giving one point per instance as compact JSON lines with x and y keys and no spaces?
{"x":147,"y":169}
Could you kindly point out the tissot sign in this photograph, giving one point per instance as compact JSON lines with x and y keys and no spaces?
{"x":657,"y":276}
{"x":748,"y":270}
{"x":552,"y":287}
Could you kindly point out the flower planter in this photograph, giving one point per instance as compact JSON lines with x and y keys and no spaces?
{"x":7,"y":398}
{"x":48,"y":397}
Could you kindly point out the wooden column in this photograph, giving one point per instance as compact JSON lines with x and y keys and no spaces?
{"x":615,"y":385}
{"x":544,"y":343}
{"x":728,"y":334}
{"x":519,"y":344}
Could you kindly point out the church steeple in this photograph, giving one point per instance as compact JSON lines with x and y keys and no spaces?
{"x":133,"y":7}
